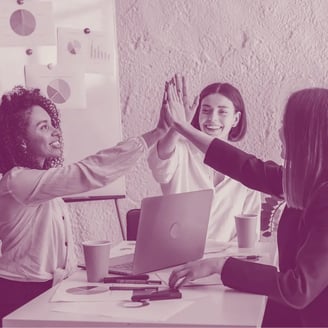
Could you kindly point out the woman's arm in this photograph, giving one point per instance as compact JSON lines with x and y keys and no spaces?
{"x":304,"y":281}
{"x":298,"y":286}
{"x":163,"y":169}
{"x":166,"y":145}
{"x":151,"y":137}
{"x":246,"y":168}
{"x":95,"y":171}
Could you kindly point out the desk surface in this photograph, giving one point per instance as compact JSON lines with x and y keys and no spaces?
{"x":208,"y":306}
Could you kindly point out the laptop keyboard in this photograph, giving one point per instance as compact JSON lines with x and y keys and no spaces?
{"x":122,"y":266}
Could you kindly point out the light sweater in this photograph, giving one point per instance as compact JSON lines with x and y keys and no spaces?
{"x":35,"y":228}
{"x":185,"y":171}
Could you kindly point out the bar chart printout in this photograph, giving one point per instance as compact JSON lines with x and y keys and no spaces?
{"x":92,"y":52}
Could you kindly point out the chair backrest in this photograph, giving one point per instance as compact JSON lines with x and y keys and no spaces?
{"x":132,"y":222}
{"x":271,"y":211}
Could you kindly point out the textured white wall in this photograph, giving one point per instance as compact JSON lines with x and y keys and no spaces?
{"x":266,"y":48}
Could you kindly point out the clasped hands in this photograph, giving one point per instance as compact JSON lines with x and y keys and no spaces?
{"x":176,"y":109}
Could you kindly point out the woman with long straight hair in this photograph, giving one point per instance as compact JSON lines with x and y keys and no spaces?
{"x":297,"y":291}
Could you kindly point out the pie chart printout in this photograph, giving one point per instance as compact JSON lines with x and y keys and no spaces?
{"x":58,"y":91}
{"x":22,"y":22}
{"x":74,"y":47}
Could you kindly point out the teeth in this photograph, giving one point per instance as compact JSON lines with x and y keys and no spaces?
{"x":56,"y":143}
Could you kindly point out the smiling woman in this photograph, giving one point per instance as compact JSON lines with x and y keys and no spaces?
{"x":178,"y":165}
{"x":217,"y":115}
{"x":43,"y":139}
{"x":21,"y":110}
{"x":35,"y":229}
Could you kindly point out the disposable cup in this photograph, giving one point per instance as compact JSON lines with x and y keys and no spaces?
{"x":96,"y":257}
{"x":246,"y":230}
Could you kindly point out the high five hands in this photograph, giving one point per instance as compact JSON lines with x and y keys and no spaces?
{"x":176,"y":108}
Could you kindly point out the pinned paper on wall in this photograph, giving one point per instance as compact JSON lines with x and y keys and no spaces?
{"x":61,"y":84}
{"x":91,"y":51}
{"x":28,"y":24}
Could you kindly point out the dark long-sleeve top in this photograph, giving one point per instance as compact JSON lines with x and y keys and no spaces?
{"x":302,"y":279}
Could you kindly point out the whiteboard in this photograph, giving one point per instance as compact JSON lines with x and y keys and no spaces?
{"x":97,"y":125}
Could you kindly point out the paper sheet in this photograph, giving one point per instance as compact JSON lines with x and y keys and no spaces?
{"x":155,"y":311}
{"x":29,"y":24}
{"x":212,"y":280}
{"x":96,"y":299}
{"x":92,"y":52}
{"x":77,"y":291}
{"x":216,"y":249}
{"x":62,"y":84}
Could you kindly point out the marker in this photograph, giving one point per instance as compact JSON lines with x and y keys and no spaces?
{"x":123,"y":273}
{"x":142,"y":277}
{"x":246,"y":257}
{"x":155,"y":289}
{"x":131,"y":281}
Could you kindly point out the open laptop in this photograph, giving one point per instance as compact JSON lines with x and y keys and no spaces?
{"x":172,"y":230}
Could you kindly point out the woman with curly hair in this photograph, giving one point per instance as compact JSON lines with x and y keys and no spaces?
{"x":37,"y":244}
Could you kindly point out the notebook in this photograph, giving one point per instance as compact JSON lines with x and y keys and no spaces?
{"x":172,"y":230}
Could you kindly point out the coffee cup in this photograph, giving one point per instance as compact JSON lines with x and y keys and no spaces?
{"x":246,"y":230}
{"x":96,"y":256}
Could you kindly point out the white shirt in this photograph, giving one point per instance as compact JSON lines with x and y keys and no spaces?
{"x":185,"y":171}
{"x":35,"y":229}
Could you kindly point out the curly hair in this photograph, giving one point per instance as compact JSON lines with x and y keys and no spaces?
{"x":15,"y":110}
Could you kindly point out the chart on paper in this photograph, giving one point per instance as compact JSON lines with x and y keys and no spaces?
{"x":74,"y":47}
{"x":58,"y":91}
{"x":23,"y":22}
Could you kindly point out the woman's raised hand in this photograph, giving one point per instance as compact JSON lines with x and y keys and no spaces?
{"x":179,"y":109}
{"x":189,"y":109}
{"x":162,"y":123}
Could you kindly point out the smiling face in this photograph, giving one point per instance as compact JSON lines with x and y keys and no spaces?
{"x":217,"y":116}
{"x":43,"y":140}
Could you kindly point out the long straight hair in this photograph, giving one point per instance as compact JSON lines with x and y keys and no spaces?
{"x":233,"y":94}
{"x":305,"y":129}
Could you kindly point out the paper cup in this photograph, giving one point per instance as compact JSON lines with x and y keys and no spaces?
{"x":96,"y":256}
{"x":246,"y":230}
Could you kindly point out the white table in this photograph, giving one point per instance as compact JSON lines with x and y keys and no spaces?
{"x":209,"y":306}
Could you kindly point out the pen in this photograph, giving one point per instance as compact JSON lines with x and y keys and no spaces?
{"x":132,"y":288}
{"x":246,"y":257}
{"x":131,"y":281}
